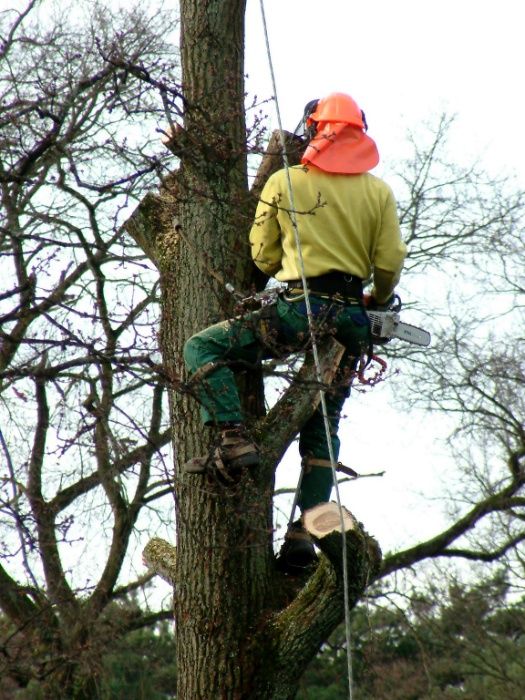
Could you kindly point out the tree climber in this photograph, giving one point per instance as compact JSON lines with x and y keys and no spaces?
{"x":348,"y":229}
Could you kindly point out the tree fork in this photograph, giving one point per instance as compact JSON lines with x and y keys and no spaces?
{"x":286,"y":635}
{"x":290,"y":638}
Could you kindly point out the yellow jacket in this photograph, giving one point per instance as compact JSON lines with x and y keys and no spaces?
{"x":347,"y":223}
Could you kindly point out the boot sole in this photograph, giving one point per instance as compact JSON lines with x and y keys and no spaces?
{"x":199,"y":465}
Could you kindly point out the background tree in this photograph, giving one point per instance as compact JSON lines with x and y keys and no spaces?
{"x":447,"y":642}
{"x":465,"y":230}
{"x":82,"y":404}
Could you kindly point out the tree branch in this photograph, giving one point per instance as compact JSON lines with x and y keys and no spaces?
{"x":67,"y":496}
{"x":437,"y":546}
{"x":59,"y":590}
{"x":299,"y":401}
{"x":159,"y":556}
{"x":14,"y":601}
{"x":301,"y":628}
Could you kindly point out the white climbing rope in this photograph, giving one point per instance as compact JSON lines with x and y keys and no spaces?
{"x":317,"y":365}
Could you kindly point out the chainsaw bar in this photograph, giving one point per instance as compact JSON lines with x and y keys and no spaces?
{"x":385,"y":325}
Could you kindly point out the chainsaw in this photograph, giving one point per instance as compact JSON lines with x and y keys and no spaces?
{"x":385,"y":324}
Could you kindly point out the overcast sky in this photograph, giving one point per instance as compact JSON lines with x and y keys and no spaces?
{"x":404,"y":61}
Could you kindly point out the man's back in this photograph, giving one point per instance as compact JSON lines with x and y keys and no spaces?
{"x":346,"y":222}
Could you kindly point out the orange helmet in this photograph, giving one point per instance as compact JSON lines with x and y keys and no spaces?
{"x":337,"y":140}
{"x":340,"y":108}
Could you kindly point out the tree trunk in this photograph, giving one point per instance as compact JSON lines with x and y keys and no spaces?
{"x":222,"y":578}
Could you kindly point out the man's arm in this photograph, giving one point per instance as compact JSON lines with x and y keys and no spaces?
{"x":389,"y":254}
{"x":265,"y":234}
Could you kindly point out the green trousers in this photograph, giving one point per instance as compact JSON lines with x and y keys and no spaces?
{"x":247,"y":340}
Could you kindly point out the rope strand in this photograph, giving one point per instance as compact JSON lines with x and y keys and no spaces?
{"x":316,"y":362}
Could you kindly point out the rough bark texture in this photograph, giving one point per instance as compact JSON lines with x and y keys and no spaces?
{"x":222,"y":540}
{"x":238,"y":635}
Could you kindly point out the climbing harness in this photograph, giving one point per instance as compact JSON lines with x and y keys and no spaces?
{"x":260,"y":309}
{"x":310,"y":462}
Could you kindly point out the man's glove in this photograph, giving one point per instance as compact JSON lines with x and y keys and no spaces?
{"x":393,"y":303}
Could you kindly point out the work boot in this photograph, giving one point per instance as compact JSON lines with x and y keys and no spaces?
{"x":235,"y":453}
{"x":236,"y":448}
{"x":297,"y":553}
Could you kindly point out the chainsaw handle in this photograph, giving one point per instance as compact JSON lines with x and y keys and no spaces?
{"x":395,"y":303}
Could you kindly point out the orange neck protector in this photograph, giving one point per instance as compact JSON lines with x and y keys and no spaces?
{"x":341,"y":148}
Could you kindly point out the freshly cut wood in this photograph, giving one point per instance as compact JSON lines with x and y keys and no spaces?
{"x":363,"y":554}
{"x":325,"y":518}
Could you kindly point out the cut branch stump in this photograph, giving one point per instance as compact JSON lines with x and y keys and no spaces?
{"x":160,"y":556}
{"x":326,"y":523}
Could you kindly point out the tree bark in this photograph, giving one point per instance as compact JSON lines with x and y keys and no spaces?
{"x":223,"y":546}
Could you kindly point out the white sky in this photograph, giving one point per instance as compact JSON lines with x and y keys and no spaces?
{"x":404,"y":61}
